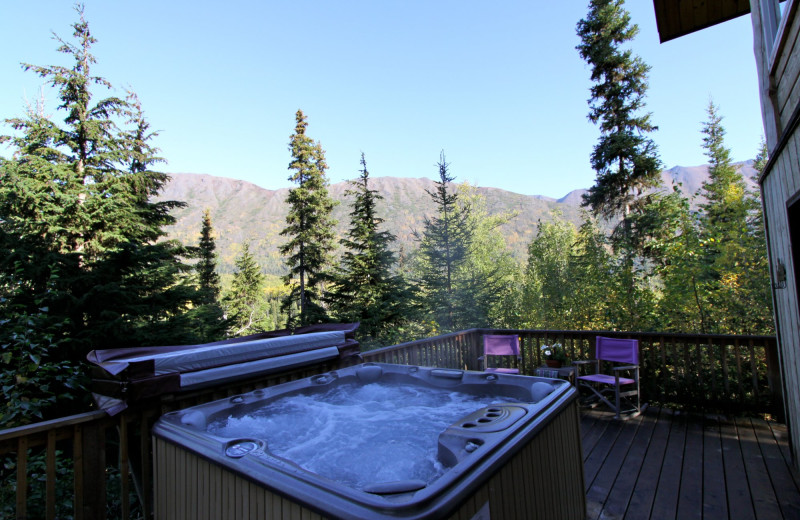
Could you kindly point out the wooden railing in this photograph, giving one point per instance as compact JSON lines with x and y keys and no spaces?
{"x":713,"y":372}
{"x":91,"y":465}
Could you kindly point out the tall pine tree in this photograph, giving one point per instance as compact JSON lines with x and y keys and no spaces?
{"x":732,"y":233}
{"x":79,"y":231}
{"x":444,"y":245}
{"x":366,"y":289}
{"x":309,"y":225}
{"x":625,"y":160}
{"x":206,"y":266}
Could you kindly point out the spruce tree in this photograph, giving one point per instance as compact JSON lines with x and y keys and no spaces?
{"x":366,"y":289}
{"x":79,"y":232}
{"x":444,"y":245}
{"x":310,"y":227}
{"x":244,"y":302}
{"x":731,"y":228}
{"x":625,"y":160}
{"x":206,"y":266}
{"x":489,"y":275}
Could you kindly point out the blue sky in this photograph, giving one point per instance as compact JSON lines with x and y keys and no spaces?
{"x":498,"y":86}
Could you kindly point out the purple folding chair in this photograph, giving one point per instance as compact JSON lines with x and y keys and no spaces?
{"x":504,"y":347}
{"x":615,"y":350}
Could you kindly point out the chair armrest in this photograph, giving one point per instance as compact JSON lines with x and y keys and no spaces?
{"x":480,"y":358}
{"x":584,"y":361}
{"x":626,"y":367}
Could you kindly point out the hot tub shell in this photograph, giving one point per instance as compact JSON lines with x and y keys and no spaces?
{"x":528,"y":463}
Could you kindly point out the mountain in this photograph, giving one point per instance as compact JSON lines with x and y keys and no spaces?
{"x":241,"y":211}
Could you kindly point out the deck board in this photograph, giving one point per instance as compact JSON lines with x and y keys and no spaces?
{"x":715,"y":504}
{"x":619,"y":495}
{"x":644,"y":492}
{"x":765,"y":502}
{"x":669,"y":464}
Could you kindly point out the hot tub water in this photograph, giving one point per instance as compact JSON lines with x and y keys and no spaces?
{"x":359,"y":434}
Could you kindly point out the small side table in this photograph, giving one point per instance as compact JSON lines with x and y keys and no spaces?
{"x":565,"y":372}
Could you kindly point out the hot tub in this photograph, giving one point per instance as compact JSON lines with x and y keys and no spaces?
{"x":510,"y":448}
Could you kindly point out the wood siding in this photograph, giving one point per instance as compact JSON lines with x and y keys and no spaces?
{"x":779,"y":87}
{"x":543,"y":480}
{"x":785,"y":69}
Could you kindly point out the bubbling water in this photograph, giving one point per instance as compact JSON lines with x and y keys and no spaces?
{"x":359,"y":434}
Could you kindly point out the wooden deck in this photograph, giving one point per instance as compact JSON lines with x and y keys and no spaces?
{"x":667,"y":464}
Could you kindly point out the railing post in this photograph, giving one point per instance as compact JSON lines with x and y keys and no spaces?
{"x":774,"y":379}
{"x":92,"y":470}
{"x":22,"y":478}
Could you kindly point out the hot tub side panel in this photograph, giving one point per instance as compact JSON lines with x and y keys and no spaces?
{"x":543,"y":480}
{"x":189,"y":487}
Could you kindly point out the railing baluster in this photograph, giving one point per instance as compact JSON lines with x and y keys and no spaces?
{"x":712,"y":370}
{"x":124,"y":482}
{"x":50,"y":485}
{"x":753,"y":368}
{"x":77,"y":463}
{"x":144,"y":447}
{"x":664,"y":369}
{"x":22,"y":478}
{"x":738,"y":368}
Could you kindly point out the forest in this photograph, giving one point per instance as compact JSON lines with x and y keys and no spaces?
{"x":85,"y":262}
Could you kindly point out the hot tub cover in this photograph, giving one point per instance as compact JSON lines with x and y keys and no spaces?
{"x":128,"y":374}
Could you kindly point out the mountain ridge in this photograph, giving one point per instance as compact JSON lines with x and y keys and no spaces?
{"x":245,"y":212}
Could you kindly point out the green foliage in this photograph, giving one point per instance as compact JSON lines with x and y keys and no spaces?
{"x":731,"y":228}
{"x":37,"y":490}
{"x":590,"y":277}
{"x":34,"y":374}
{"x":489,"y":276}
{"x":310,"y":227}
{"x":366,"y":290}
{"x":548,"y":288}
{"x":81,"y":234}
{"x":244,"y":302}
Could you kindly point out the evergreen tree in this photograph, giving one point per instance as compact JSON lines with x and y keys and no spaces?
{"x":589,"y":276}
{"x":489,"y":277}
{"x":310,"y":226}
{"x":625,"y":160}
{"x":444,"y":245}
{"x":79,"y":232}
{"x":245,"y":303}
{"x":206,"y":266}
{"x":366,"y":289}
{"x":731,"y":228}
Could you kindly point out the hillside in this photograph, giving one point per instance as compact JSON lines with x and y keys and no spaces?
{"x":242,"y":211}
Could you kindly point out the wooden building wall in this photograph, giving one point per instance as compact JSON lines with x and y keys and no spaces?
{"x":779,"y":85}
